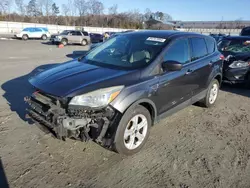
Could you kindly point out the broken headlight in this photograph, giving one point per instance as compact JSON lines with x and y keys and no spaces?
{"x":239,"y":64}
{"x":98,"y":98}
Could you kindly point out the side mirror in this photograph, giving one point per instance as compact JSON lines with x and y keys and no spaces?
{"x":172,"y":66}
{"x":81,"y":57}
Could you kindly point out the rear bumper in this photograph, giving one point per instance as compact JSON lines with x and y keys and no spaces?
{"x":69,"y":122}
{"x":236,"y":75}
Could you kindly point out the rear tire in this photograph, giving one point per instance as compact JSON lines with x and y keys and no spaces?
{"x":212,"y":94}
{"x":44,"y":37}
{"x":84,"y":42}
{"x":133,"y":130}
{"x":25,"y":37}
{"x":64,"y":42}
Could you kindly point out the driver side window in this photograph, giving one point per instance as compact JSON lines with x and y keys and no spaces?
{"x":178,"y":51}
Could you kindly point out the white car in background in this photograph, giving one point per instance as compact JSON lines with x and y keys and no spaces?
{"x":33,"y":33}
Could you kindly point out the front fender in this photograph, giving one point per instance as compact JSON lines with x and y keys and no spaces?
{"x":144,"y":92}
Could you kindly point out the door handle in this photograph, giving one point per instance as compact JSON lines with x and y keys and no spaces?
{"x":189,"y":71}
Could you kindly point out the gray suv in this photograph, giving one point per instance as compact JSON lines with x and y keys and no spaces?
{"x":117,"y":91}
{"x":71,"y":37}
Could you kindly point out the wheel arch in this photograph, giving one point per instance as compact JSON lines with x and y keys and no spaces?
{"x":215,"y":75}
{"x":25,"y":34}
{"x":219,"y":78}
{"x":145,"y":102}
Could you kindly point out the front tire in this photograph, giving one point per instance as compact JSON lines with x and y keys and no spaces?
{"x":133,"y":130}
{"x":44,"y":37}
{"x":84,"y":42}
{"x":25,"y":37}
{"x":64,"y":42}
{"x":212,"y":94}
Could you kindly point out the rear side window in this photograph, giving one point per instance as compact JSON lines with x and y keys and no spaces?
{"x":210,"y":45}
{"x":178,"y":51}
{"x":37,"y":30}
{"x":199,"y":48}
{"x":78,"y":33}
{"x":85,"y":33}
{"x":31,"y":29}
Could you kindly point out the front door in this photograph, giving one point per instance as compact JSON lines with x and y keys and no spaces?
{"x":175,"y":86}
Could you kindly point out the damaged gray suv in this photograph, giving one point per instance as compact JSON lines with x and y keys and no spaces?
{"x":116,"y":92}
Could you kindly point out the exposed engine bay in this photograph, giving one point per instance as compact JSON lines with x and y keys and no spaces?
{"x":70,"y":121}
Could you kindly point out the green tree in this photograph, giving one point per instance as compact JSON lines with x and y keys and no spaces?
{"x":55,"y":9}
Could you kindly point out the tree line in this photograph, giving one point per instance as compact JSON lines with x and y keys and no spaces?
{"x":78,"y":13}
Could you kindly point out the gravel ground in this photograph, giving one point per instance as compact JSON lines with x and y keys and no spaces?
{"x":195,"y":147}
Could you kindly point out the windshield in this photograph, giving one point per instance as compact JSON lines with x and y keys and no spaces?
{"x":126,"y":51}
{"x":65,"y":32}
{"x":235,"y":46}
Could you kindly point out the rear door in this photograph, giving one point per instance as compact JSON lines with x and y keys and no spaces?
{"x":32,"y":33}
{"x":174,"y":87}
{"x":71,"y":36}
{"x":201,"y":64}
{"x":38,"y":33}
{"x":77,"y":37}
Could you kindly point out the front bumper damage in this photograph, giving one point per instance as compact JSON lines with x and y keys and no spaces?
{"x":71,"y":121}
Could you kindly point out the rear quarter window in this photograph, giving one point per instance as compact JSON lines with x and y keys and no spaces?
{"x":199,"y":48}
{"x":210,"y":45}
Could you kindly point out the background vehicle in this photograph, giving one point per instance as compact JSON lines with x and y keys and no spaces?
{"x":245,"y":31}
{"x":236,"y":49}
{"x":116,"y":92}
{"x":218,"y":37}
{"x":72,"y":37}
{"x":33,"y":33}
{"x":95,"y":37}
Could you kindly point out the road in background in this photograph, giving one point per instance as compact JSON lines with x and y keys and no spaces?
{"x":196,"y":147}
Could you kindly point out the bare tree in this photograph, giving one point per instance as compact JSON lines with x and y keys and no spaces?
{"x":20,"y":6}
{"x":81,"y":6}
{"x":95,"y":7}
{"x":238,"y":23}
{"x":48,"y":9}
{"x":65,"y":10}
{"x":113,"y":9}
{"x":5,"y":6}
{"x":41,"y":6}
{"x":148,"y":14}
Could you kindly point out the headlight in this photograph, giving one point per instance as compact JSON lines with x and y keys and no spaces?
{"x":98,"y":98}
{"x":239,"y":64}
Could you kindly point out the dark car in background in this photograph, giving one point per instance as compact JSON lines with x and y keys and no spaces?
{"x":236,"y":50}
{"x":116,"y":92}
{"x":218,"y":37}
{"x":96,"y":37}
{"x":245,"y":31}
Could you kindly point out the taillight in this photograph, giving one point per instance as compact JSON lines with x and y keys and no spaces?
{"x":222,"y":57}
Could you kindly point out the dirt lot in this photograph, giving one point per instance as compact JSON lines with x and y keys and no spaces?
{"x":196,"y":147}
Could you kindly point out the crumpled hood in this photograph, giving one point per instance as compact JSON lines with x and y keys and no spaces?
{"x":238,"y":56}
{"x":74,"y":78}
